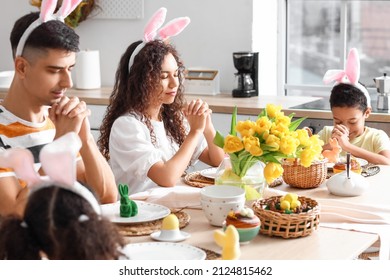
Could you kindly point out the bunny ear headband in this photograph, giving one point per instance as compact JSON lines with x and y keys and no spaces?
{"x":46,"y":14}
{"x":58,"y":160}
{"x":350,"y":75}
{"x":153,"y":31}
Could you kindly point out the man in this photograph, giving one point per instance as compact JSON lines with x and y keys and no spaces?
{"x":43,"y":68}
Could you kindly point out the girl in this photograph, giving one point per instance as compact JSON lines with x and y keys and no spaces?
{"x":59,"y":224}
{"x":62,"y":218}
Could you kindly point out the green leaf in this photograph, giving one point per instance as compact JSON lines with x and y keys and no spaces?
{"x":291,"y":115}
{"x":251,"y":193}
{"x":266,"y":147}
{"x":263,"y":113}
{"x":294,"y":124}
{"x":233,"y":157}
{"x":219,"y":140}
{"x":271,"y":158}
{"x":233,"y":123}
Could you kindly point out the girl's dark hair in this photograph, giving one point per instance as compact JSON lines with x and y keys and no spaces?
{"x":133,"y":92}
{"x":345,"y":95}
{"x":51,"y":225}
{"x":53,"y":34}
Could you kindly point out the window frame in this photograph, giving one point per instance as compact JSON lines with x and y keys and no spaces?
{"x":282,"y":53}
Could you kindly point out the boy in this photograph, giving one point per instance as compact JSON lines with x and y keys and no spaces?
{"x":351,"y":106}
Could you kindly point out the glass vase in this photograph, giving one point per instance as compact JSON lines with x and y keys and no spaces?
{"x":253,"y":182}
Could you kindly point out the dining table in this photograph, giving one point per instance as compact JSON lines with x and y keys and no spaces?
{"x":323,"y":244}
{"x":348,"y":225}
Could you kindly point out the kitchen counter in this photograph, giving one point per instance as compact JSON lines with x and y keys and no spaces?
{"x":224,"y":103}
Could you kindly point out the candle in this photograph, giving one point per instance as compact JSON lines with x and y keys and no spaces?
{"x":87,"y":70}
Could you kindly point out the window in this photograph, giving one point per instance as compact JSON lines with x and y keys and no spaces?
{"x":319,"y":35}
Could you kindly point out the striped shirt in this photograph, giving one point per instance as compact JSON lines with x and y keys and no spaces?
{"x":16,"y":132}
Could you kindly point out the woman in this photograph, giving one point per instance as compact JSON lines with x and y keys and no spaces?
{"x":149,"y":134}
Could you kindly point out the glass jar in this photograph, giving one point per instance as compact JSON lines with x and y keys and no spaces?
{"x":253,"y":182}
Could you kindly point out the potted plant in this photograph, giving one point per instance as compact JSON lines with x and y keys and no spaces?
{"x":80,"y":14}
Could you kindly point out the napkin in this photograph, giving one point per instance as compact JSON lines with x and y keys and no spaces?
{"x":353,"y":216}
{"x":172,"y":197}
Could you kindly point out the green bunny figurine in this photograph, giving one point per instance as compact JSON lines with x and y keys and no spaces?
{"x":128,"y":208}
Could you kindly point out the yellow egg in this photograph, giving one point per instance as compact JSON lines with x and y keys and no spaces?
{"x":290,"y":197}
{"x":170,"y":222}
{"x":295,"y":204}
{"x":285,"y":205}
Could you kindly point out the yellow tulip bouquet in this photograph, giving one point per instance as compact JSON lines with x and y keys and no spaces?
{"x":269,"y":139}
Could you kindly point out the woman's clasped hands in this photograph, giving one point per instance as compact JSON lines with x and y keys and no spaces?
{"x":198,"y":114}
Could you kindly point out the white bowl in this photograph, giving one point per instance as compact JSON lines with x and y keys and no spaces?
{"x":216,"y":212}
{"x":222,"y":193}
{"x":6,"y":78}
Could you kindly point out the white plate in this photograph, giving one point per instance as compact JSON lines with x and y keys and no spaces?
{"x":163,"y":251}
{"x":182,"y":235}
{"x":146,"y":212}
{"x":210,"y":173}
{"x":361,"y":161}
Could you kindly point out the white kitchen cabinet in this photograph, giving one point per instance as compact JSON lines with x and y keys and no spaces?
{"x":96,"y":118}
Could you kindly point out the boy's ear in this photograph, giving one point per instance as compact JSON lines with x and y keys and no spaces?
{"x":367,"y":112}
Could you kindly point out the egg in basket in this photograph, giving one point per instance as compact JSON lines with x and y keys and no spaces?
{"x":287,"y":216}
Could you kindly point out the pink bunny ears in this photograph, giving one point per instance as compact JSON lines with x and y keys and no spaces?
{"x":153,"y":31}
{"x":350,"y":75}
{"x":47,"y":14}
{"x":58,"y":160}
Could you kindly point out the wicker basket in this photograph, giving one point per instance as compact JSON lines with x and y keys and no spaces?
{"x":302,"y":177}
{"x":287,"y":225}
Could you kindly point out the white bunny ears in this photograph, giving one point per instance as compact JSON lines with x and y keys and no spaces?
{"x":350,"y":75}
{"x":47,"y":14}
{"x":58,"y":160}
{"x":153,"y":31}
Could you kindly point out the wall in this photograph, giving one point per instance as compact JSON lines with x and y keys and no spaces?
{"x":218,"y":28}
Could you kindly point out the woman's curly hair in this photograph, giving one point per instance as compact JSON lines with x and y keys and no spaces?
{"x":133,"y":92}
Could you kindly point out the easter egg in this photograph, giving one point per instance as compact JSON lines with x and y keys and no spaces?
{"x":170,"y":222}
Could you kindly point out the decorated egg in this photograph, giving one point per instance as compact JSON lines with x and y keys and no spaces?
{"x":170,"y":230}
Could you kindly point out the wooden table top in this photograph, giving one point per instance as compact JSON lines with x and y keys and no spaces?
{"x":323,"y":244}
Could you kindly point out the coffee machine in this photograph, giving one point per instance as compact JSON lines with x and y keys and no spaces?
{"x":247,"y":64}
{"x":382,"y":85}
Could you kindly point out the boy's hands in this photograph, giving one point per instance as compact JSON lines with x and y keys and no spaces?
{"x":341,"y":133}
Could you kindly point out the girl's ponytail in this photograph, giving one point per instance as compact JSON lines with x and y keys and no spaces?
{"x":17,"y":241}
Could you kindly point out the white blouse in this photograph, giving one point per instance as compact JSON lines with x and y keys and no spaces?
{"x":132,"y":152}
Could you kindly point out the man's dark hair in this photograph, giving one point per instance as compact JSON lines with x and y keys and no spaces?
{"x":53,"y":34}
